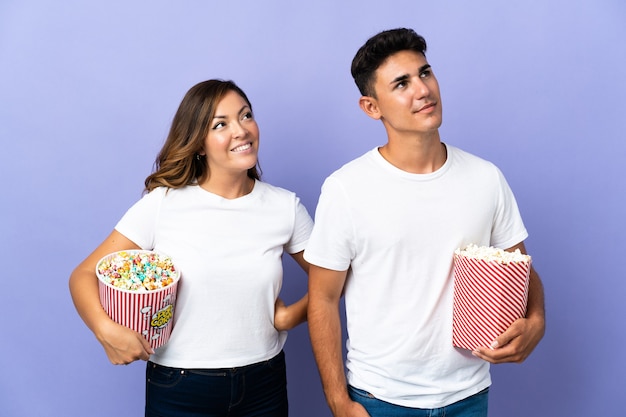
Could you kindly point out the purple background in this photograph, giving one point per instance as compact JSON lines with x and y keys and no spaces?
{"x":88,"y":90}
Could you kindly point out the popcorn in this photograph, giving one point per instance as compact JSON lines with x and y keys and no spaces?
{"x":490,"y":293}
{"x":137,"y":270}
{"x":491,"y":254}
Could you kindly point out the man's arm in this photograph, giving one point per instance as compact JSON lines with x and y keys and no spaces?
{"x":325,"y":290}
{"x":521,"y":338}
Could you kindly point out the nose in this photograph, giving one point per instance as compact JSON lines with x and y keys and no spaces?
{"x":238,"y":130}
{"x":421,"y":89}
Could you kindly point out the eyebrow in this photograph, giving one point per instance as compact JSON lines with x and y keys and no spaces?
{"x":424,"y":68}
{"x":405,"y":77}
{"x":245,"y":106}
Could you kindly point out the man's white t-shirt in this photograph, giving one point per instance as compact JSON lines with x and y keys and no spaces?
{"x":396,"y":233}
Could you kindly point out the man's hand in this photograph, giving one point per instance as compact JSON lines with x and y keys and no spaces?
{"x":516,"y":343}
{"x":349,"y":408}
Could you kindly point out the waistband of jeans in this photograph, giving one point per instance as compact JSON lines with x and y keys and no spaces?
{"x":231,"y":369}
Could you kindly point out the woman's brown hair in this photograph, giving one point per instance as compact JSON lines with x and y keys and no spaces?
{"x":177,"y":164}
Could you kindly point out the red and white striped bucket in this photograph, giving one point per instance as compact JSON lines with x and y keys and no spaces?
{"x":149,"y":313}
{"x":488,"y":297}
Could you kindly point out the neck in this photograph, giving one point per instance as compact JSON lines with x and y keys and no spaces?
{"x":228,"y":187}
{"x":415,"y":154}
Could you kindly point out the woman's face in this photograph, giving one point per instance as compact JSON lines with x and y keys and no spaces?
{"x":232,"y":143}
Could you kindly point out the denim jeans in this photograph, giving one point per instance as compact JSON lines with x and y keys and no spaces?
{"x":258,"y":390}
{"x":473,"y":406}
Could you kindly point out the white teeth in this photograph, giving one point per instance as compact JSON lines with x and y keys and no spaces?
{"x":242,"y":147}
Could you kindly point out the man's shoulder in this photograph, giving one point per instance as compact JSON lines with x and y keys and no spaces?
{"x":467,"y":158}
{"x":355,"y":166}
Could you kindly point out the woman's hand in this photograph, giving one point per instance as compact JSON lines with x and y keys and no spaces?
{"x":287,"y":317}
{"x":121,"y":344}
{"x":281,"y":316}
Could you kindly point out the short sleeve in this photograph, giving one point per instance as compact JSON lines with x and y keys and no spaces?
{"x":508,"y":228}
{"x":331,"y":244}
{"x":139,"y":222}
{"x":303,"y":225}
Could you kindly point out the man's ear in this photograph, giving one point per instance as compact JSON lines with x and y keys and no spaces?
{"x":370,"y":106}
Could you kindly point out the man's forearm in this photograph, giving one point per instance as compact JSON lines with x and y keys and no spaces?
{"x":536,"y":303}
{"x":326,"y":339}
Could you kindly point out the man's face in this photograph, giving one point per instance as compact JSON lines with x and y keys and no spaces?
{"x":407,"y":94}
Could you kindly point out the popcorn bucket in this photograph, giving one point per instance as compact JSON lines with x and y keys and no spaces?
{"x":147,"y":311}
{"x":489,"y":295}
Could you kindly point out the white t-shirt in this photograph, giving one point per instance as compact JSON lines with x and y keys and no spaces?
{"x":229,"y":253}
{"x":397,"y":232}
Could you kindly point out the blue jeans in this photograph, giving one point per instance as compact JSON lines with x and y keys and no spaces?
{"x":258,"y":390}
{"x":473,"y":406}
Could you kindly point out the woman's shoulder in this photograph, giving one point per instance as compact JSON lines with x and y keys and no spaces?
{"x":163,"y":193}
{"x":275,"y":192}
{"x":267,"y":187}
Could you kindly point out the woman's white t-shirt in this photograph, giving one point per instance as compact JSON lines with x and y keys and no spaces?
{"x":229,"y":253}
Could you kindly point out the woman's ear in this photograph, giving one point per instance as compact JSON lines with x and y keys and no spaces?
{"x":370,"y":106}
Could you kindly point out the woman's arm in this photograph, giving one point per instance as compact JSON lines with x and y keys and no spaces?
{"x":288,"y":317}
{"x":121,"y":344}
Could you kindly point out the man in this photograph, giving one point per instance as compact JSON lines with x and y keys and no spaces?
{"x":386,"y":228}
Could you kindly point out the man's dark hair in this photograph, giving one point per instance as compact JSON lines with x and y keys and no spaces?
{"x":377,"y":49}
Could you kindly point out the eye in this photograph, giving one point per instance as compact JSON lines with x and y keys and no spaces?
{"x":426,"y":73}
{"x":400,"y":84}
{"x":247,"y":115}
{"x":218,"y":125}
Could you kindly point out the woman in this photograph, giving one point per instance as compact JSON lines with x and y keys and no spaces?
{"x":226,"y":231}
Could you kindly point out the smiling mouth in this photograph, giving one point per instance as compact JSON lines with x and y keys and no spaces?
{"x":425,"y":107}
{"x":242,"y":147}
